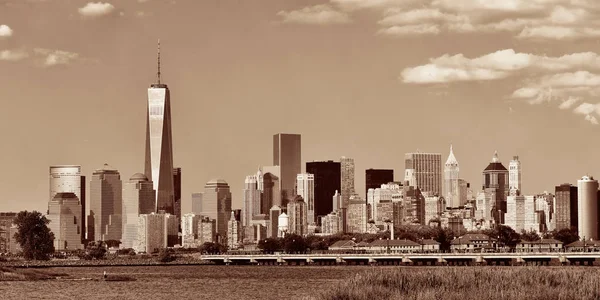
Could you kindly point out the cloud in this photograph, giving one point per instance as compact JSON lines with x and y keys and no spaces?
{"x":410,"y":30}
{"x":566,"y":104}
{"x":5,"y":31}
{"x":96,"y":9}
{"x":318,"y":14}
{"x":13,"y":55}
{"x":591,"y":119}
{"x":55,"y":57}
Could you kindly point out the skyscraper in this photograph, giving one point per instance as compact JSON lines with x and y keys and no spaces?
{"x":374,"y":178}
{"x":587,"y":208}
{"x":424,"y":170}
{"x":327,"y":176}
{"x":68,"y":179}
{"x":270,"y":185}
{"x":514,"y":176}
{"x":287,"y":154}
{"x":297,"y":221}
{"x":347,"y":184}
{"x":495,"y":176}
{"x":565,"y":207}
{"x":451,"y":181}
{"x":159,"y":144}
{"x":64,"y":213}
{"x":177,"y":192}
{"x":138,"y":199}
{"x":306,"y":189}
{"x":197,"y":203}
{"x":106,"y":203}
{"x":252,"y":199}
{"x":217,"y":205}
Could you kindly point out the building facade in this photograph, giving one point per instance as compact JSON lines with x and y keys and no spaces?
{"x":514,"y":176}
{"x":233,"y":232}
{"x":424,"y":170}
{"x":68,"y":179}
{"x":357,"y":215}
{"x":106,"y":204}
{"x":197,"y":203}
{"x":287,"y":155}
{"x":452,"y":188}
{"x":138,"y":198}
{"x":347,"y":179}
{"x":64,"y":213}
{"x":305,"y":184}
{"x":252,"y":200}
{"x":189,"y":230}
{"x":495,"y":176}
{"x":177,"y":192}
{"x":565,"y":206}
{"x":155,"y":232}
{"x":327,"y":180}
{"x":374,"y":178}
{"x":217,"y":205}
{"x":297,"y":216}
{"x":587,"y":208}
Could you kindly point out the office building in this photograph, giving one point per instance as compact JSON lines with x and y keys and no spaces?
{"x":216,"y":204}
{"x":434,"y":206}
{"x":347,"y":179}
{"x":138,"y":198}
{"x":68,"y":179}
{"x":374,"y":178}
{"x":297,"y":219}
{"x":521,"y":213}
{"x":270,"y":186}
{"x":207,"y":231}
{"x":514,"y":176}
{"x":159,"y":144}
{"x":451,"y":181}
{"x":64,"y":213}
{"x":337,"y":201}
{"x":587,"y":208}
{"x":197,"y":203}
{"x":252,"y":200}
{"x":233,"y":237}
{"x":357,"y":215}
{"x":565,"y":206}
{"x":495,"y":176}
{"x":155,"y":232}
{"x":189,"y":230}
{"x":177,"y":192}
{"x":273,"y":226}
{"x":287,"y":154}
{"x":305,"y":184}
{"x":106,"y":204}
{"x":327,"y":180}
{"x":424,"y":170}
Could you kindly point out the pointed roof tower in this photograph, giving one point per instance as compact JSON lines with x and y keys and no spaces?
{"x":451,"y":161}
{"x":495,"y":158}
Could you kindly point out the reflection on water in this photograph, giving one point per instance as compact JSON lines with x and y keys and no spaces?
{"x":187,"y":282}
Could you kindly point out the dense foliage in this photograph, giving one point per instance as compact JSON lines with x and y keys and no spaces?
{"x":212,"y":248}
{"x":95,"y":250}
{"x":33,"y":235}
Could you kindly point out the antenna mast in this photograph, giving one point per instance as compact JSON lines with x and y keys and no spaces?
{"x":158,"y":74}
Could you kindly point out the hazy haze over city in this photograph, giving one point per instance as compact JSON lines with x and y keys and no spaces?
{"x":367,"y":79}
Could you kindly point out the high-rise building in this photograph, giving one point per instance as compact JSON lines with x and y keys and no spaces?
{"x":252,"y":200}
{"x":197,"y":203}
{"x":297,"y":221}
{"x":159,"y":144}
{"x":434,"y":206}
{"x":337,"y":201}
{"x":565,"y":206}
{"x":64,"y":213}
{"x":424,"y":171}
{"x":189,"y":230}
{"x":216,"y":204}
{"x":287,"y":154}
{"x":514,"y":176}
{"x":273,"y":225}
{"x":305,"y":184}
{"x":357,"y":215}
{"x":207,"y":231}
{"x":587,"y":208}
{"x":495,"y":176}
{"x":155,"y":232}
{"x":521,"y":213}
{"x":327,"y":177}
{"x":177,"y":192}
{"x":451,"y":181}
{"x":374,"y":178}
{"x":106,"y":203}
{"x":270,"y":186}
{"x":347,"y":179}
{"x":233,"y":238}
{"x":68,"y":179}
{"x":138,"y":199}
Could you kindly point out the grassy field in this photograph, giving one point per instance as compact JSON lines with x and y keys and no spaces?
{"x":467,"y":283}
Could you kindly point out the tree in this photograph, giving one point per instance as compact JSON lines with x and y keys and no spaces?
{"x":530,"y":236}
{"x":444,"y":236}
{"x":566,"y":235}
{"x":96,"y":250}
{"x":212,"y":248}
{"x":164,"y":256}
{"x":506,"y":236}
{"x":33,"y":235}
{"x":270,"y":245}
{"x":293,"y":243}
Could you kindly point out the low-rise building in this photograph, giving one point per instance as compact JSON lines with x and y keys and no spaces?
{"x":430,"y":246}
{"x":394,"y":246}
{"x":473,"y":242}
{"x":543,"y":245}
{"x":583,"y":246}
{"x":343,"y":245}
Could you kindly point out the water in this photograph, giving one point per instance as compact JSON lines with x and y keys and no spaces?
{"x":187,"y":282}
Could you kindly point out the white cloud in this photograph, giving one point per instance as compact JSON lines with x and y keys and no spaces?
{"x":352,"y":5}
{"x":96,"y":9}
{"x":5,"y":31}
{"x":566,"y":104}
{"x":13,"y":55}
{"x":410,"y":30}
{"x":56,"y":57}
{"x":318,"y":14}
{"x":591,"y":119}
{"x":585,"y":108}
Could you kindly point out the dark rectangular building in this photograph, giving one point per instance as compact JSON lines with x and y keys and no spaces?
{"x":565,"y":212}
{"x":83,"y":211}
{"x":328,"y":179}
{"x":287,"y":154}
{"x":374,"y":178}
{"x":177,"y":192}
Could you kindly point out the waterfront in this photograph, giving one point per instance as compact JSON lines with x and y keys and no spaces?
{"x":187,"y":282}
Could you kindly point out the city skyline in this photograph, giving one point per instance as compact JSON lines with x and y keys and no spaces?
{"x":349,"y":83}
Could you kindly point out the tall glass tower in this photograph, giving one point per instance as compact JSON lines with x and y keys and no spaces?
{"x":159,"y":144}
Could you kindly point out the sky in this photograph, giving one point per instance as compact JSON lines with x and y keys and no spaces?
{"x":367,"y":79}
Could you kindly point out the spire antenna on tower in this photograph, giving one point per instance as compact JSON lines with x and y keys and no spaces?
{"x":158,"y":73}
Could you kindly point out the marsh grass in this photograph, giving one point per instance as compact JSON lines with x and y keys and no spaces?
{"x":463,"y":283}
{"x":14,"y":274}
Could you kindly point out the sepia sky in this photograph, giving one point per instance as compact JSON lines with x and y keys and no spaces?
{"x":368,"y":79}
